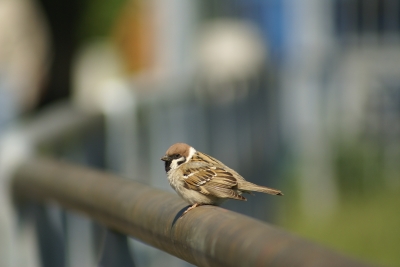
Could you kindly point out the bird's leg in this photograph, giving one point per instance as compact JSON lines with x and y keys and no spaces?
{"x":192,"y":207}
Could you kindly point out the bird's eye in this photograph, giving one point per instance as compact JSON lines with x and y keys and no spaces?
{"x":176,"y":156}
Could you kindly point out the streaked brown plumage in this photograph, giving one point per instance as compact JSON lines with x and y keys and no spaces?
{"x":201,"y":179}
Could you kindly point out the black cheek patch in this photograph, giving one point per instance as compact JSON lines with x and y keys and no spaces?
{"x":182,"y":161}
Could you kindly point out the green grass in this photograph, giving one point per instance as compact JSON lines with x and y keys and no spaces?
{"x":367,"y":228}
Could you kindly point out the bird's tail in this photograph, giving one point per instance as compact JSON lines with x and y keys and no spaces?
{"x":247,"y":186}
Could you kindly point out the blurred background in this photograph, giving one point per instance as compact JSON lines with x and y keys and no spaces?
{"x":303,"y":96}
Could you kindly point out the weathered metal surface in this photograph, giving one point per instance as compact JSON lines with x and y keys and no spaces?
{"x":206,"y":236}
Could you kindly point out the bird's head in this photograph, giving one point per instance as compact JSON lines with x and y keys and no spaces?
{"x":176,"y":155}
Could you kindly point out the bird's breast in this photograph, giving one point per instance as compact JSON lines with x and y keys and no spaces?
{"x":175,"y":180}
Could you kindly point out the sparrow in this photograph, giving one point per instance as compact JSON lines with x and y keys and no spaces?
{"x":203,"y":180}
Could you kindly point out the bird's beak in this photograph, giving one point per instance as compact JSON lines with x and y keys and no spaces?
{"x":165,"y":158}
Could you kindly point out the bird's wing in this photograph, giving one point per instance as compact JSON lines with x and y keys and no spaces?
{"x":211,"y":180}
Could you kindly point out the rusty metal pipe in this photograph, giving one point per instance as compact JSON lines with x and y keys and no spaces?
{"x":206,"y":236}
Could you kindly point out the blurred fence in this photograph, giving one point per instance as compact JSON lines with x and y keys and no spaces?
{"x":339,"y":81}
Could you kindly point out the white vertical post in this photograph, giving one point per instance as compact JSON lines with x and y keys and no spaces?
{"x":309,"y":38}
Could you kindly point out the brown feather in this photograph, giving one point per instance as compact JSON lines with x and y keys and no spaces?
{"x":225,"y":193}
{"x":247,"y":186}
{"x":178,"y":148}
{"x":212,"y":181}
{"x":209,"y":176}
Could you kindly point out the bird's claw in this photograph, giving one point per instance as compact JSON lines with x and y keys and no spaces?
{"x":190,"y":208}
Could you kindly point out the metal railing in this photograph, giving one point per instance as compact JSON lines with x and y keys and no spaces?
{"x":207,"y":236}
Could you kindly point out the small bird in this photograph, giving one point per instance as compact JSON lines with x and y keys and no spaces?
{"x":203,"y":180}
